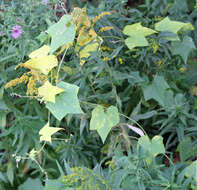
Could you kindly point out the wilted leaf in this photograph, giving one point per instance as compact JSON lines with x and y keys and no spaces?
{"x":43,"y":64}
{"x":104,"y":121}
{"x":48,"y":92}
{"x":43,"y":51}
{"x":46,"y":132}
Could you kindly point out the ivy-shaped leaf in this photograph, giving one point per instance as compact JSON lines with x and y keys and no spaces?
{"x":191,"y":170}
{"x":48,"y":92}
{"x":102,"y":121}
{"x":46,"y":132}
{"x":154,"y":146}
{"x":183,"y":48}
{"x":137,"y":35}
{"x":159,"y":91}
{"x":43,"y":51}
{"x":166,"y":25}
{"x":62,"y":32}
{"x":65,"y":103}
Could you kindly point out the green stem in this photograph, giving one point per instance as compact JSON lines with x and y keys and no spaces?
{"x":59,"y":66}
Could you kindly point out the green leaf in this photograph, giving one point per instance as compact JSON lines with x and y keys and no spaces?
{"x":137,"y":30}
{"x":31,"y":184}
{"x":191,"y":170}
{"x":65,"y":103}
{"x":137,"y":35}
{"x":2,"y":119}
{"x":10,"y":172}
{"x":104,"y":121}
{"x":159,"y":91}
{"x":154,"y":146}
{"x":183,"y":48}
{"x":184,"y":151}
{"x":134,"y":41}
{"x":62,"y":33}
{"x":166,"y":25}
{"x":54,"y":185}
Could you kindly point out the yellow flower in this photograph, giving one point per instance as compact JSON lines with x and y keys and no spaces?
{"x":155,"y":47}
{"x":105,"y":59}
{"x":120,"y":60}
{"x":159,"y":63}
{"x":106,"y":28}
{"x":182,"y":69}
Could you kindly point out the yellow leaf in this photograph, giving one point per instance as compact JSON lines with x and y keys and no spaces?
{"x":43,"y":63}
{"x":47,"y":131}
{"x":48,"y":92}
{"x":85,"y":52}
{"x":194,"y":90}
{"x":43,"y":51}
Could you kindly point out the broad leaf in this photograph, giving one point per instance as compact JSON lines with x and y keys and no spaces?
{"x":55,"y":185}
{"x":104,"y":121}
{"x":43,"y":51}
{"x":166,"y":25}
{"x":159,"y":91}
{"x":47,"y":131}
{"x":154,"y":146}
{"x":31,"y":184}
{"x":183,"y":48}
{"x":65,"y":103}
{"x":137,"y":35}
{"x":134,"y":41}
{"x":137,"y":30}
{"x":43,"y":64}
{"x":48,"y":92}
{"x":62,"y":33}
{"x":191,"y":170}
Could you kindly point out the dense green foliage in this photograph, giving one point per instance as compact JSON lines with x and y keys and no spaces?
{"x":139,"y":80}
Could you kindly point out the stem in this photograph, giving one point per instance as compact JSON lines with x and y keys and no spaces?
{"x":59,"y":66}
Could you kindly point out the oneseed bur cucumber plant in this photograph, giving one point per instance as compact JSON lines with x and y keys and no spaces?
{"x":78,"y":85}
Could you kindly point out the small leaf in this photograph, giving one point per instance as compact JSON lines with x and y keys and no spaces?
{"x":104,"y":121}
{"x":183,"y":48}
{"x":47,"y":131}
{"x":67,"y":102}
{"x":62,"y":33}
{"x":48,"y":92}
